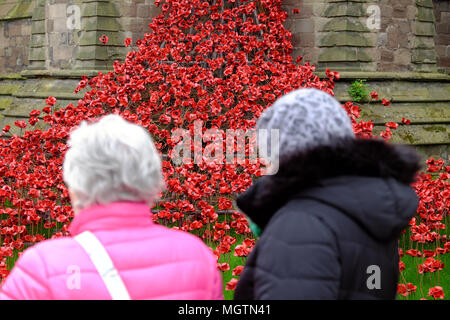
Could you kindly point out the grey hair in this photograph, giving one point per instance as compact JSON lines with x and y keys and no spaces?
{"x":112,"y":160}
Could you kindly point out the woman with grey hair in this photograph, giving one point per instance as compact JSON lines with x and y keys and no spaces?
{"x":113,"y":172}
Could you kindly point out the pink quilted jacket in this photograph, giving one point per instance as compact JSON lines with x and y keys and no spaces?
{"x":154,"y":262}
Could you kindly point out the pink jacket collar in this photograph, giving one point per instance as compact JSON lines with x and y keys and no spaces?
{"x":114,"y":215}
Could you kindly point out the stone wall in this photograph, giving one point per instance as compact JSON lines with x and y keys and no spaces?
{"x":117,"y":19}
{"x":303,"y":26}
{"x":340,"y":34}
{"x":15,"y":30}
{"x":442,"y":38}
{"x":396,"y":35}
{"x":345,"y":40}
{"x":135,"y":16}
{"x":423,"y":47}
{"x":414,"y":35}
{"x":65,"y":33}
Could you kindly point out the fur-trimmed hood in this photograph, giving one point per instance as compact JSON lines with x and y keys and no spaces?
{"x":368,"y":180}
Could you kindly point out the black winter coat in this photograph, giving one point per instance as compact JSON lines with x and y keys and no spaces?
{"x":331,"y":221}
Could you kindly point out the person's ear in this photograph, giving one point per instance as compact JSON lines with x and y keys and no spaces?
{"x":74,"y":200}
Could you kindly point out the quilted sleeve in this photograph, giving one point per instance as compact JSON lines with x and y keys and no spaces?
{"x":27,"y":280}
{"x":297,"y":259}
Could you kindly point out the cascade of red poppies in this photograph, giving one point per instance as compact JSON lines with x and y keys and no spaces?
{"x":218,"y":62}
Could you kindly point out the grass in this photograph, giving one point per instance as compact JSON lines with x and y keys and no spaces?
{"x":229,"y":258}
{"x":227,"y":275}
{"x":426,"y":280}
{"x":409,"y":275}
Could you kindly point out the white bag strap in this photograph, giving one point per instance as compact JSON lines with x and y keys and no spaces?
{"x":104,"y":265}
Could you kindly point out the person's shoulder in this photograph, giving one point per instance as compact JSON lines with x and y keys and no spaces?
{"x":56,"y":243}
{"x":188,"y":241}
{"x":51,"y":247}
{"x":295,"y":211}
{"x":37,"y":255}
{"x":297,"y":222}
{"x":183,"y":236}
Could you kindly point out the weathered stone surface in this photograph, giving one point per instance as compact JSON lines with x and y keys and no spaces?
{"x":300,"y":25}
{"x":338,"y":54}
{"x":92,"y":38}
{"x":38,"y":40}
{"x":115,"y":53}
{"x":420,"y":134}
{"x":100,"y":23}
{"x":347,"y":66}
{"x":8,"y":87}
{"x":42,"y":88}
{"x":417,"y":112}
{"x":423,"y":67}
{"x":387,"y":55}
{"x":434,"y":151}
{"x":423,"y":98}
{"x":10,"y":10}
{"x":68,"y":74}
{"x":424,"y":29}
{"x":351,"y":39}
{"x":402,"y":90}
{"x":92,"y":53}
{"x":425,"y":14}
{"x":39,"y":13}
{"x":365,"y":55}
{"x":36,"y":65}
{"x":425,"y":3}
{"x":393,"y":37}
{"x":423,"y":43}
{"x":344,"y":24}
{"x":23,"y":107}
{"x":304,"y":39}
{"x":93,"y":64}
{"x":442,"y":38}
{"x":424,"y":56}
{"x":402,"y":57}
{"x":362,"y":1}
{"x":37,"y":54}
{"x":11,"y":76}
{"x":341,"y":9}
{"x":414,"y":77}
{"x":104,"y":9}
{"x":5,"y":103}
{"x":38,"y":26}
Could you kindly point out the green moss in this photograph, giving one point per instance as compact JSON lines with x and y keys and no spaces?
{"x":23,"y":9}
{"x":335,"y":54}
{"x":435,"y":128}
{"x":5,"y":103}
{"x":407,"y":137}
{"x":11,"y":76}
{"x":378,"y":76}
{"x":8,"y":89}
{"x":370,"y":115}
{"x":351,"y":39}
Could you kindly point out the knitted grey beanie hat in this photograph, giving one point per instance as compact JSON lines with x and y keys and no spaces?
{"x":306,"y":119}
